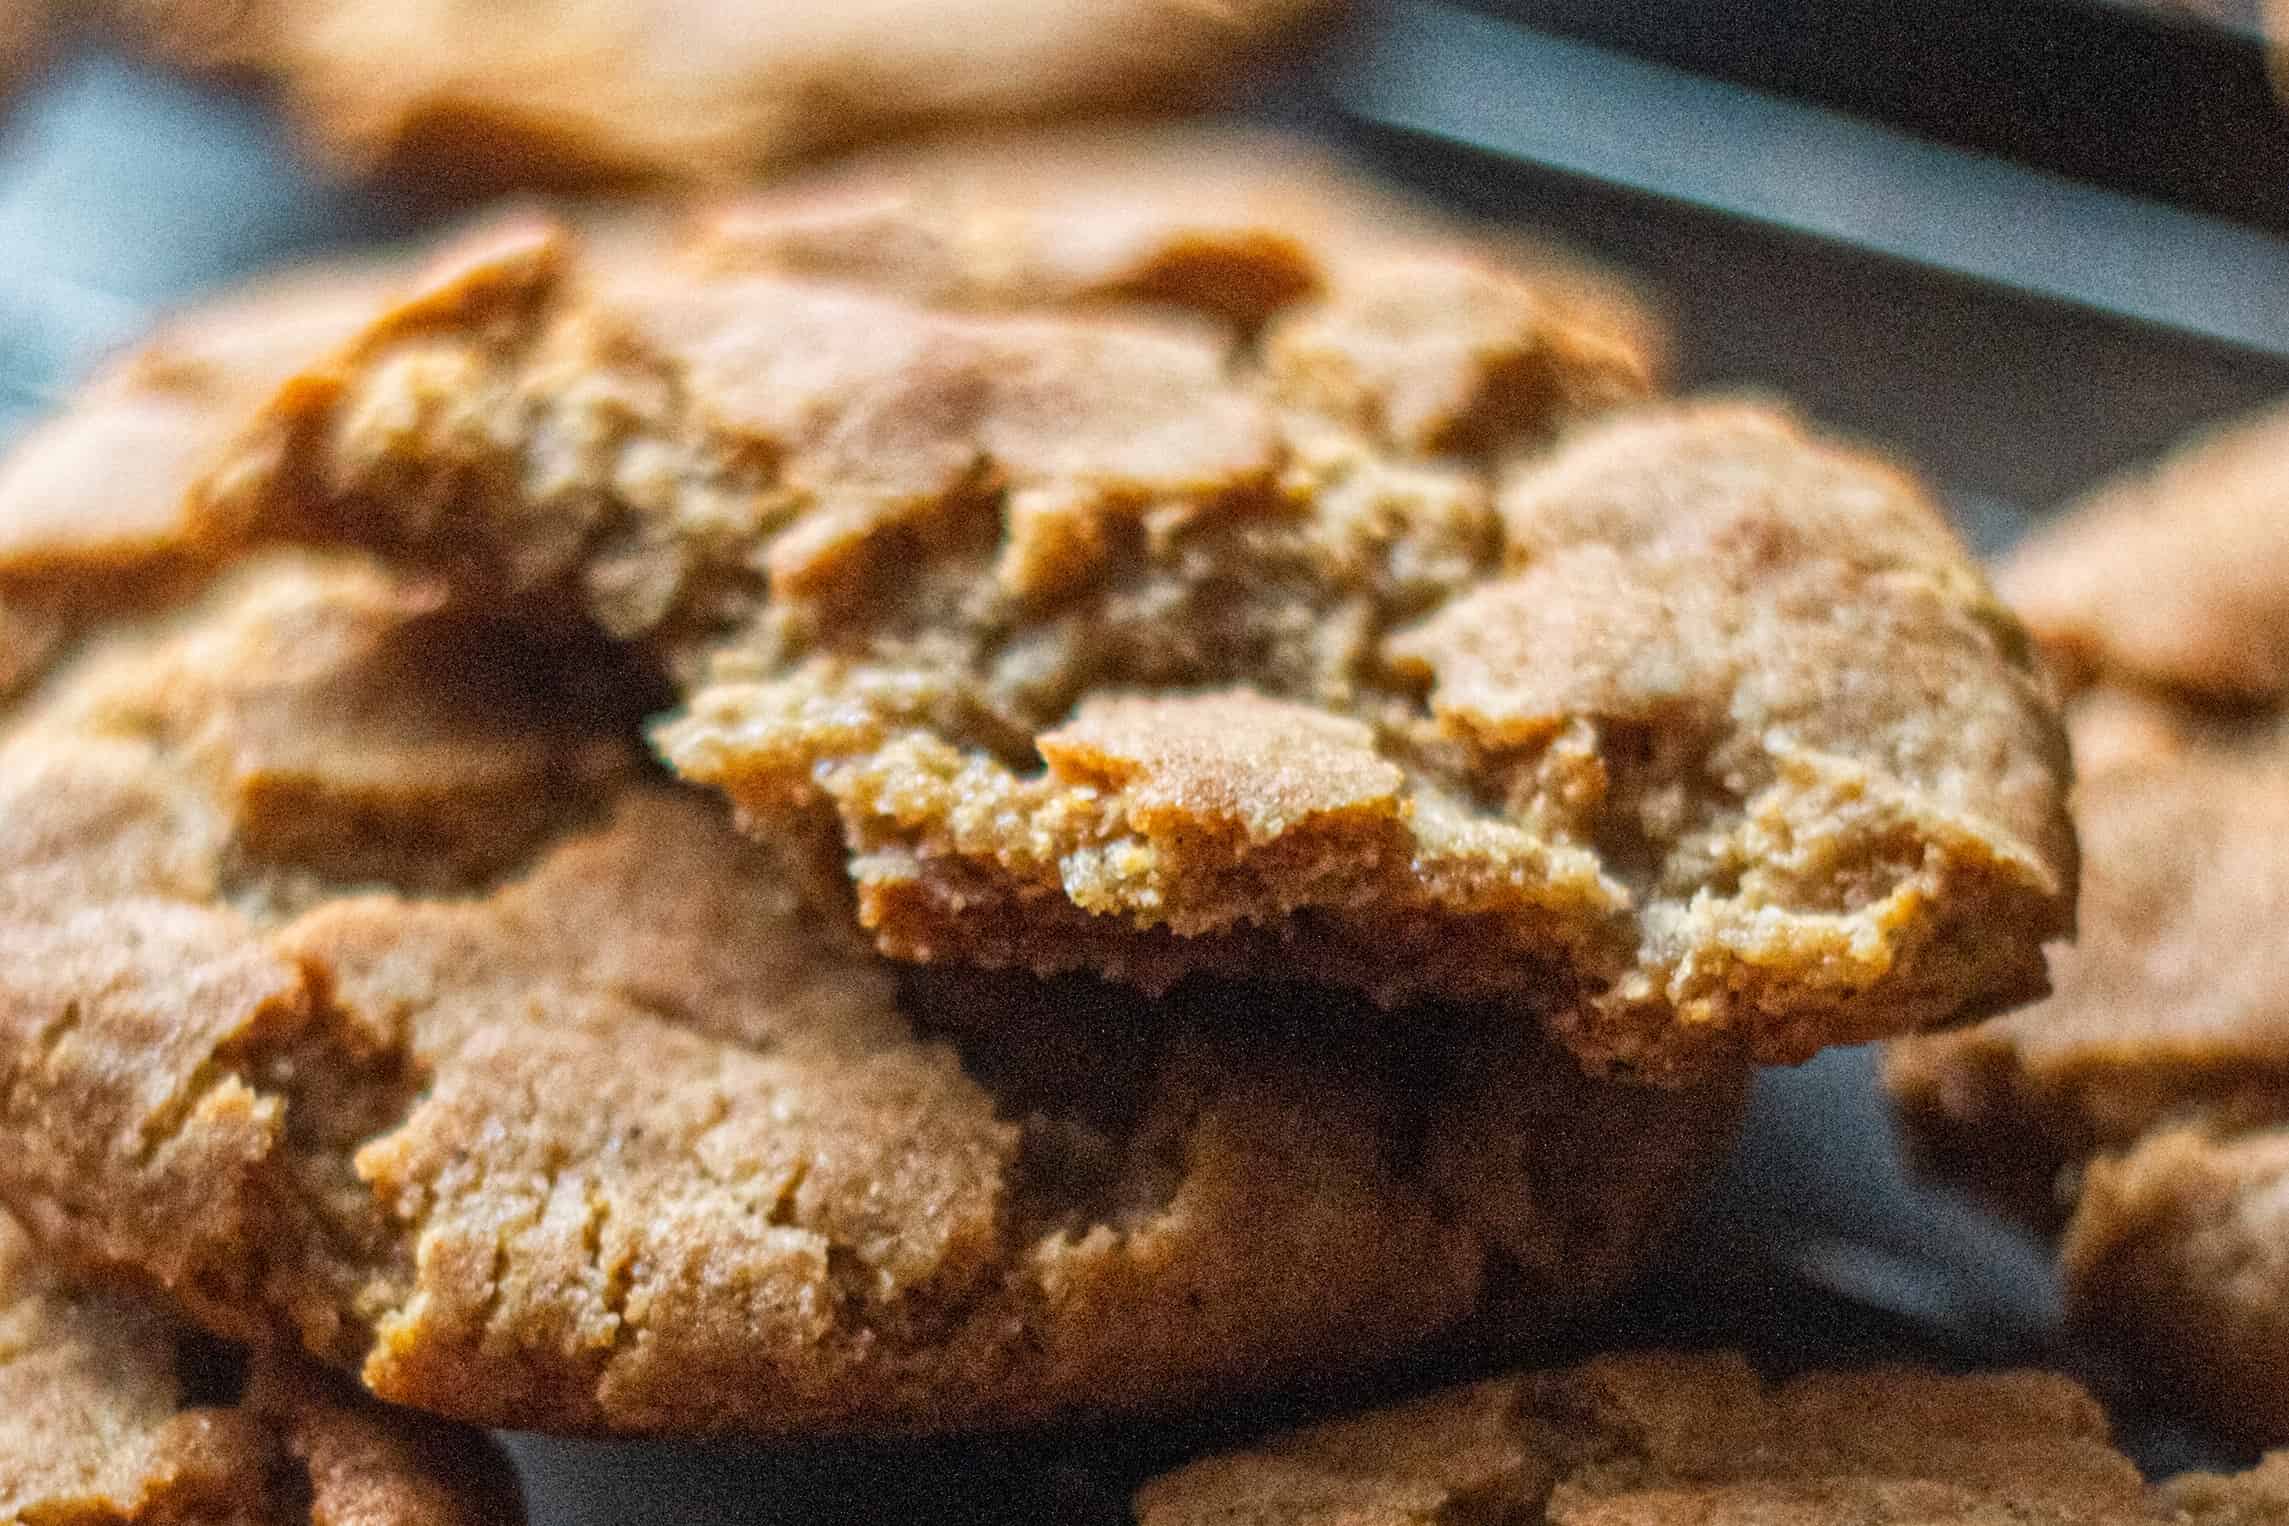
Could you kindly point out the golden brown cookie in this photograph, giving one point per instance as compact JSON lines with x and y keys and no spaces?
{"x":2175,"y":577}
{"x":469,"y":93}
{"x":112,"y":1413}
{"x":359,"y":988}
{"x":1663,"y":1440}
{"x":1180,"y":583}
{"x":92,"y":500}
{"x":2143,"y":1111}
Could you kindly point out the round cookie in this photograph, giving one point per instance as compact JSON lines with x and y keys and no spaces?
{"x":1649,"y":1440}
{"x":464,"y":93}
{"x":2175,"y":577}
{"x":100,"y":1421}
{"x":1149,"y":572}
{"x":361,"y":989}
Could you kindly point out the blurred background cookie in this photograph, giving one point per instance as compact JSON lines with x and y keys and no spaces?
{"x":2173,"y":577}
{"x":1702,"y":1438}
{"x":26,"y":35}
{"x":461,"y":95}
{"x":2142,"y":1113}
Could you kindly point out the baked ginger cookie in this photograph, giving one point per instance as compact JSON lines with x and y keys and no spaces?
{"x":92,"y":500}
{"x":362,"y":989}
{"x":2173,"y":578}
{"x":102,"y":1419}
{"x":463,"y":93}
{"x":1655,"y":1439}
{"x":2143,"y":1111}
{"x":1177,"y":568}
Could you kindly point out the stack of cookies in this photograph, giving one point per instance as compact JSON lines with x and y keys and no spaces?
{"x":2142,"y":1113}
{"x":1043,"y":781}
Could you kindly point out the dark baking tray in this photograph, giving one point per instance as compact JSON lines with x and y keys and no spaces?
{"x":2013,"y":385}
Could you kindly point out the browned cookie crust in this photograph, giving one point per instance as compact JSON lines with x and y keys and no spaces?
{"x":1190,"y":582}
{"x":358,"y":988}
{"x":1661,"y":1440}
{"x":470,"y":93}
{"x":99,"y":1426}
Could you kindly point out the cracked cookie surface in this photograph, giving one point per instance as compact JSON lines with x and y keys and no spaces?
{"x":114,"y":1415}
{"x":1181,"y":567}
{"x":470,"y":93}
{"x":361,"y":988}
{"x":1658,"y":1440}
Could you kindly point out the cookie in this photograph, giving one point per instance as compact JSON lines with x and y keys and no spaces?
{"x":470,"y":92}
{"x":361,"y":988}
{"x":2173,"y":578}
{"x":1150,"y":588}
{"x":2143,"y":1111}
{"x":92,"y":499}
{"x":111,"y":1412}
{"x":1650,"y":1440}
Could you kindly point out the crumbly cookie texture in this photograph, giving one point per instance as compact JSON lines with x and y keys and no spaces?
{"x":1657,"y":1440}
{"x":2144,"y":1109}
{"x":100,"y":1423}
{"x":472,"y":92}
{"x":360,"y":988}
{"x":2173,"y":578}
{"x":1145,"y":593}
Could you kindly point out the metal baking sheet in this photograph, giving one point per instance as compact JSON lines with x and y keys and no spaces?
{"x":124,"y":191}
